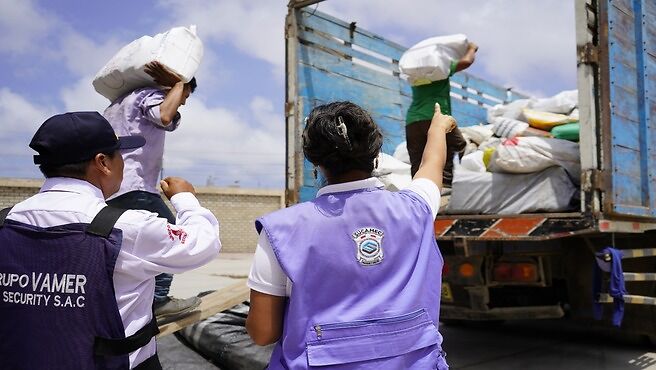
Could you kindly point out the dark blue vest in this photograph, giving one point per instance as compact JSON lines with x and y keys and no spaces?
{"x":57,"y":302}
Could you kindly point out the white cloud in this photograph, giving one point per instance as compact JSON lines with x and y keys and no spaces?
{"x":83,"y":56}
{"x":81,"y":96}
{"x":216,"y":143}
{"x":20,"y":119}
{"x":22,"y":26}
{"x":254,"y":27}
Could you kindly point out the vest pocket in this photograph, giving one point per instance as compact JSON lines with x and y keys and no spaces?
{"x":343,"y":343}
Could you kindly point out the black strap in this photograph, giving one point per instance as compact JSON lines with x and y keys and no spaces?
{"x":151,"y":363}
{"x":104,"y":221}
{"x":123,"y":346}
{"x":3,"y":215}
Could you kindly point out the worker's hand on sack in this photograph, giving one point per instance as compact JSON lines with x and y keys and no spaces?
{"x":174,"y":185}
{"x":161,"y":75}
{"x":473,"y":46}
{"x":444,"y":121}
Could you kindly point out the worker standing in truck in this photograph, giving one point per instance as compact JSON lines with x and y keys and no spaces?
{"x":352,"y":276}
{"x":420,"y":112}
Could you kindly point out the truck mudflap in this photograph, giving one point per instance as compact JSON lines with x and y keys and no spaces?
{"x":449,"y":312}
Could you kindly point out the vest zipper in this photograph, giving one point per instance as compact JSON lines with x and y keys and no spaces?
{"x":320,"y":328}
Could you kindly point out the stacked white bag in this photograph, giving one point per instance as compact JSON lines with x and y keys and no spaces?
{"x":430,"y":60}
{"x":179,"y":49}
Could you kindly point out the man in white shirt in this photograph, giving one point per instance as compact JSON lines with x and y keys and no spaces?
{"x":79,"y":155}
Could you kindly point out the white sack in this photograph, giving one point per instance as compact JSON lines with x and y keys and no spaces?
{"x":430,"y":60}
{"x":496,"y":193}
{"x":401,"y":153}
{"x":477,"y":134}
{"x":388,"y":164}
{"x":179,"y":49}
{"x":563,"y":102}
{"x":508,"y":127}
{"x":534,"y":154}
{"x":473,"y":162}
{"x":511,"y":110}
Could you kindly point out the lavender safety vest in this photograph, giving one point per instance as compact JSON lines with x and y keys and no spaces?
{"x":57,"y":304}
{"x":366,"y":275}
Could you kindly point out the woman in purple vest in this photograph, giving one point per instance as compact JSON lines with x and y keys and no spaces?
{"x":351,"y":279}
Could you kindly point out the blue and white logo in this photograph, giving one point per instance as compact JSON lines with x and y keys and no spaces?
{"x":369,"y":245}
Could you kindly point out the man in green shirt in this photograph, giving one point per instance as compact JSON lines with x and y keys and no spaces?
{"x":421,"y":112}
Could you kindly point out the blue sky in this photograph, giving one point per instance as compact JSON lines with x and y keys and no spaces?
{"x":233,"y":126}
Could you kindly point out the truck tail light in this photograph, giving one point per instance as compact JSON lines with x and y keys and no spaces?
{"x":520,"y":272}
{"x":525,"y":272}
{"x":466,"y":270}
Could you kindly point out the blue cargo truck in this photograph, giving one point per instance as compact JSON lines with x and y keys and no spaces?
{"x":524,"y":266}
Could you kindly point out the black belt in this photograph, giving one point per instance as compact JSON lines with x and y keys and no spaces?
{"x":123,"y":346}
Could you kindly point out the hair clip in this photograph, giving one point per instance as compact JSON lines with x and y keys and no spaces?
{"x":342,"y":130}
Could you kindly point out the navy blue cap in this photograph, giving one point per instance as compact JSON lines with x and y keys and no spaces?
{"x":76,"y":137}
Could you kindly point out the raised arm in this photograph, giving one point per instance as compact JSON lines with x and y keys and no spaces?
{"x":434,"y":157}
{"x":469,"y":57}
{"x":175,"y":97}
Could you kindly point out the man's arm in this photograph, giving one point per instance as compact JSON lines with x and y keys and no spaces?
{"x":175,"y":97}
{"x":468,"y":59}
{"x":434,"y":157}
{"x":162,"y":247}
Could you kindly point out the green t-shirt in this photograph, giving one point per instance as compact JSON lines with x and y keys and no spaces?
{"x":424,"y":98}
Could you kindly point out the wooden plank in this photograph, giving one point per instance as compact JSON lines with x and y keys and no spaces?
{"x":627,"y":178}
{"x":467,"y":80}
{"x":330,"y":64}
{"x":626,"y":133}
{"x":623,"y":92}
{"x":338,"y":47}
{"x":473,"y":98}
{"x":340,"y":29}
{"x":339,"y":87}
{"x":210,"y":305}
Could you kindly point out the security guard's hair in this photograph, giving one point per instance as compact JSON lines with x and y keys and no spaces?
{"x":77,"y":170}
{"x":341,"y":137}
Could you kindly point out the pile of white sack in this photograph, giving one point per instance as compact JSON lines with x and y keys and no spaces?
{"x":510,"y":165}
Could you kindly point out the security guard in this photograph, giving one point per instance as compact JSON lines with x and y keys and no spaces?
{"x":76,"y":276}
{"x":351,"y":279}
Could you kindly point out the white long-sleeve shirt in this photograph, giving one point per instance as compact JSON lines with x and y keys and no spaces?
{"x":150,"y":244}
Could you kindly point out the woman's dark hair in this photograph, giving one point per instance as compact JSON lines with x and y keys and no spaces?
{"x":77,"y":170}
{"x":341,"y":137}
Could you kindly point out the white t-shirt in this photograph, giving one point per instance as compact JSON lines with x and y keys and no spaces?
{"x":267,"y":277}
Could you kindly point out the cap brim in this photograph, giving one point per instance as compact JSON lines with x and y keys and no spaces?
{"x":131,"y":142}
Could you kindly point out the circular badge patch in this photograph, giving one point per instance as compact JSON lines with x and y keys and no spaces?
{"x":369,"y":245}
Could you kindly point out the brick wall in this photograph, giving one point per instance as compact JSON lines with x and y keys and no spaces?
{"x":235,"y":208}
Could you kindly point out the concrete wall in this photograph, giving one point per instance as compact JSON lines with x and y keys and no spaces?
{"x":235,"y":208}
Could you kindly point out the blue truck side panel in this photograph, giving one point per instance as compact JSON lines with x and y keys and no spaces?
{"x":336,"y":62}
{"x":632,"y":74}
